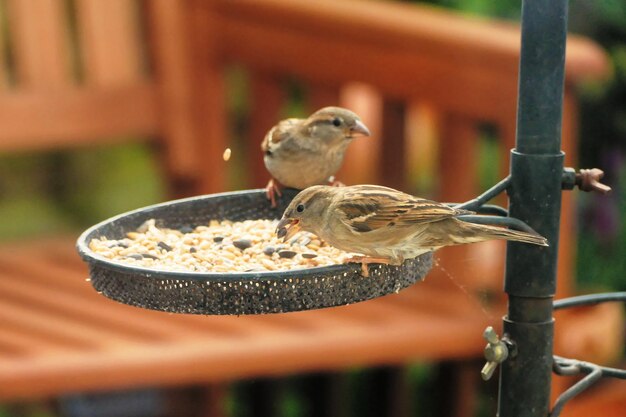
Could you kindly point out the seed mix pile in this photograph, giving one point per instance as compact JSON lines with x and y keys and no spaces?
{"x":221,"y":246}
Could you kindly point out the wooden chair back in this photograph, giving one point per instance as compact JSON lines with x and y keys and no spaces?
{"x":100,"y":72}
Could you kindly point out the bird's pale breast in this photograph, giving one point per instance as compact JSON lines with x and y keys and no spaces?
{"x":304,"y":168}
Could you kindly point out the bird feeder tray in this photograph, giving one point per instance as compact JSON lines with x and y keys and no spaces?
{"x":239,"y":292}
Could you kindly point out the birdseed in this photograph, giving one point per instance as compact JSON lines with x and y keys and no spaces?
{"x":220,"y":246}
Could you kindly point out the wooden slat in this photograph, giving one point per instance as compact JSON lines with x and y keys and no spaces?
{"x":178,"y":64}
{"x":67,"y":291}
{"x":459,"y":39}
{"x":51,"y":319}
{"x":272,"y":48}
{"x":393,"y":160}
{"x":347,"y":335}
{"x":322,"y":95}
{"x":30,"y":320}
{"x":42,"y":274}
{"x":209,"y":97}
{"x":33,"y":120}
{"x":71,"y":282}
{"x":426,"y":29}
{"x":119,"y":319}
{"x":40,"y":42}
{"x":213,"y":359}
{"x":458,"y":181}
{"x":303,"y":322}
{"x":422,"y":146}
{"x":566,"y":272}
{"x":110,"y":41}
{"x":21,"y":265}
{"x":4,"y":71}
{"x":422,"y":45}
{"x":267,"y":97}
{"x":442,"y":302}
{"x":363,"y":152}
{"x":16,"y":341}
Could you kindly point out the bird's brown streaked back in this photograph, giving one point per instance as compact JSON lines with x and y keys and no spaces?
{"x":371,"y":207}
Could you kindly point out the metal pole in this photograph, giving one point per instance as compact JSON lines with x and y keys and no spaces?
{"x":535,"y":197}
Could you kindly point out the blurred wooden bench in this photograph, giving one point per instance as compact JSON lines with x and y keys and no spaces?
{"x":57,"y":335}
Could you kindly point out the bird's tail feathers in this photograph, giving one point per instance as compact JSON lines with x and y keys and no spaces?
{"x":495,"y":232}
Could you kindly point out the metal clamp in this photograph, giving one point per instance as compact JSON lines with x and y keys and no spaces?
{"x":585,"y":179}
{"x":495,"y":352}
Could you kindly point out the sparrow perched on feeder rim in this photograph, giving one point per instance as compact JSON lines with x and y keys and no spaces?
{"x":299,"y":153}
{"x":385,"y":225}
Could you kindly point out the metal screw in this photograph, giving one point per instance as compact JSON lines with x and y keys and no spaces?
{"x":495,"y":352}
{"x":589,"y":180}
{"x":585,"y":179}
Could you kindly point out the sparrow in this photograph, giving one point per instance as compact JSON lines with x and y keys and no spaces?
{"x":299,"y":153}
{"x":385,"y":225}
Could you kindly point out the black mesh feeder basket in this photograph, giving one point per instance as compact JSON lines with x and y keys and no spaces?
{"x":233,"y":293}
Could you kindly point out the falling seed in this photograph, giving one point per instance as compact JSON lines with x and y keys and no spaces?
{"x":226,"y":154}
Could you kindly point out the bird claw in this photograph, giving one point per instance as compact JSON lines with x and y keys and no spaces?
{"x":272,"y":189}
{"x":365,"y":261}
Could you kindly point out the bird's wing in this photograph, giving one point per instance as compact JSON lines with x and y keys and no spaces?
{"x":279,"y":133}
{"x":373,"y":207}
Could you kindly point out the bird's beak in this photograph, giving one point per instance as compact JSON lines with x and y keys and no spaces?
{"x":359,"y":129}
{"x":287,"y":227}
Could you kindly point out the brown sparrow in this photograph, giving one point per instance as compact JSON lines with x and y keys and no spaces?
{"x":299,"y":153}
{"x":385,"y":225}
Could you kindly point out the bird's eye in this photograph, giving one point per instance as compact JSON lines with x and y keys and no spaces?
{"x":336,"y":122}
{"x":300,"y":208}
